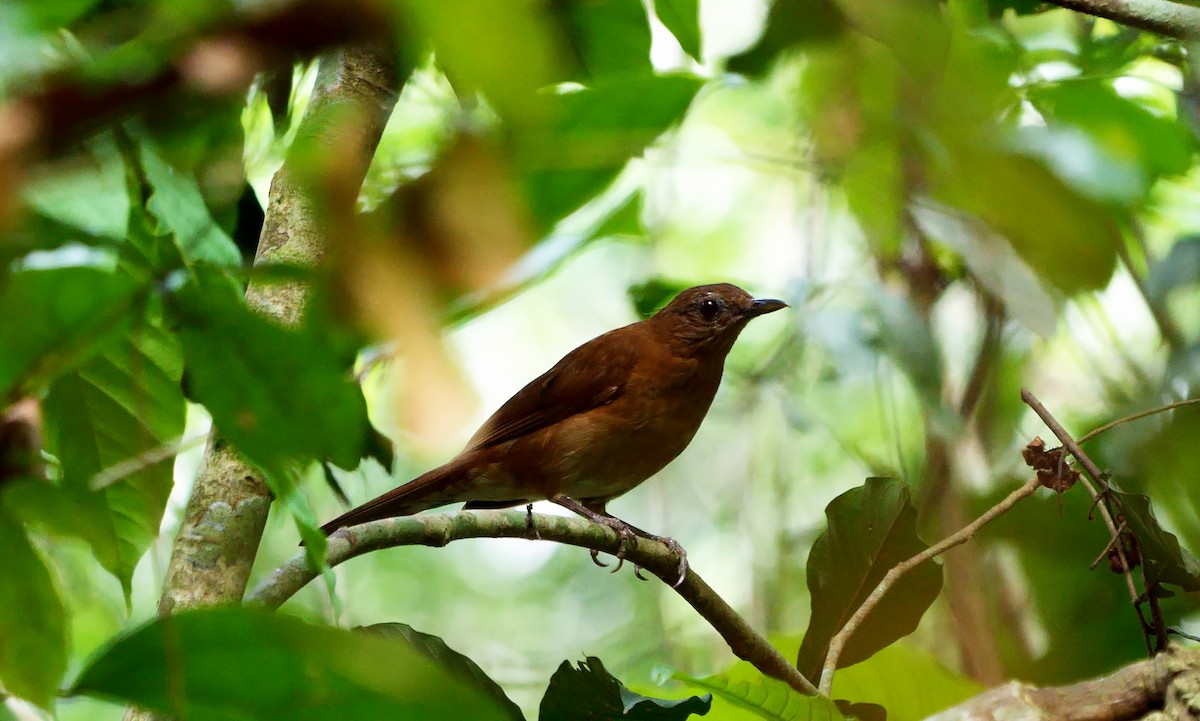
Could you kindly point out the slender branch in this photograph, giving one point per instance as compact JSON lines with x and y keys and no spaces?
{"x":838,"y":642}
{"x":1163,"y":682}
{"x":1094,"y":471}
{"x":1161,"y":16}
{"x":442,"y":528}
{"x":1135,"y":417}
{"x":121,"y":470}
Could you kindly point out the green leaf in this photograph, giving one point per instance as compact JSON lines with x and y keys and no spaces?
{"x":249,"y":664}
{"x":748,"y":689}
{"x":1165,"y":560}
{"x":121,"y":404}
{"x":789,"y":23}
{"x":910,"y":343}
{"x":591,"y":692}
{"x":176,"y":202}
{"x":1179,"y":269}
{"x":461,"y":667}
{"x":682,"y":18}
{"x":33,"y":627}
{"x":608,"y":37}
{"x":282,"y":396}
{"x":51,"y":318}
{"x":906,"y":681}
{"x":89,"y":194}
{"x":1070,"y":240}
{"x":651,"y":295}
{"x":871,"y":529}
{"x":595,"y":132}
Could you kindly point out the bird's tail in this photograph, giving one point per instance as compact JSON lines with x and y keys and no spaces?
{"x":437,"y":487}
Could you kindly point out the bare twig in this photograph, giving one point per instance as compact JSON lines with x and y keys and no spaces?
{"x":1094,"y":471}
{"x":896,"y":572}
{"x":1134,"y":417}
{"x":1111,"y":542}
{"x":1168,"y":18}
{"x":123,"y":469}
{"x":442,"y":528}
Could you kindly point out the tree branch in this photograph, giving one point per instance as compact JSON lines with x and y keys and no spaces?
{"x":1161,"y":16}
{"x":442,"y":528}
{"x":1163,"y":682}
{"x":838,"y":642}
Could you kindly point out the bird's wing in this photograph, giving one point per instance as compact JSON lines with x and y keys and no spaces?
{"x":592,"y":375}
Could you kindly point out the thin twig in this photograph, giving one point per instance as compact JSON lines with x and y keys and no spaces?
{"x":438,"y":529}
{"x":1094,"y":471}
{"x":838,"y":642}
{"x":1134,"y":417}
{"x":123,"y":469}
{"x":1111,"y":542}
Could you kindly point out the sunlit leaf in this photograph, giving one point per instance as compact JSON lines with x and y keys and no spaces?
{"x":51,"y":318}
{"x":248,"y":372}
{"x":89,"y":193}
{"x":595,"y":132}
{"x":589,"y":691}
{"x":871,"y":529}
{"x":906,"y":681}
{"x":118,"y":406}
{"x":682,"y":18}
{"x":463,"y":668}
{"x":767,"y":697}
{"x":608,"y":37}
{"x":33,"y":630}
{"x":250,"y":664}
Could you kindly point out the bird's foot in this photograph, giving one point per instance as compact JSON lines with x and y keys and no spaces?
{"x":529,"y":527}
{"x":627,"y":538}
{"x":676,"y":549}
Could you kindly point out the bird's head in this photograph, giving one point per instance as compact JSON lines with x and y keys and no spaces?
{"x":708,"y":318}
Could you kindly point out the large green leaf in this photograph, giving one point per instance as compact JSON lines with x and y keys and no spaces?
{"x":249,"y":664}
{"x":119,"y":405}
{"x":871,"y":529}
{"x":789,"y":23}
{"x":33,"y":628}
{"x":608,"y":37}
{"x":682,"y":18}
{"x":906,"y":681}
{"x":594,"y":133}
{"x":1165,"y":560}
{"x":51,"y":318}
{"x":463,"y":668}
{"x":89,"y":194}
{"x":1069,"y":239}
{"x":282,"y":396}
{"x":591,"y":692}
{"x":748,"y":689}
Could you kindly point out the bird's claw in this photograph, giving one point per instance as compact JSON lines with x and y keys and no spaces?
{"x":596,"y":559}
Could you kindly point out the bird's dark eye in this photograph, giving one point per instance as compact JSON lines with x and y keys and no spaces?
{"x":709,"y":308}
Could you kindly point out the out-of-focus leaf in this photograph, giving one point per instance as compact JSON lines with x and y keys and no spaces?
{"x":595,"y":132}
{"x":1165,"y":560}
{"x":861,"y":711}
{"x":653,"y":294}
{"x":871,"y":529}
{"x":608,"y":37}
{"x":1079,"y":159}
{"x":282,"y":396}
{"x":764,"y":696}
{"x":48,"y":17}
{"x":50,"y":318}
{"x":119,"y":405}
{"x":33,"y":627}
{"x":789,"y":23}
{"x":1131,"y":134}
{"x":909,"y":341}
{"x":507,"y":51}
{"x":995,"y":265}
{"x":68,"y":513}
{"x":682,"y":18}
{"x":246,"y":663}
{"x":1180,"y":268}
{"x":591,"y":692}
{"x":909,"y":683}
{"x":176,"y":202}
{"x":463,"y":668}
{"x":1070,"y":240}
{"x":88,"y":194}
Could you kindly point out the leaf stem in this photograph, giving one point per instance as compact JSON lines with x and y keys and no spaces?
{"x":1135,"y":417}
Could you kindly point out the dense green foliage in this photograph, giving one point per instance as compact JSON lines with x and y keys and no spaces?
{"x":958,"y":199}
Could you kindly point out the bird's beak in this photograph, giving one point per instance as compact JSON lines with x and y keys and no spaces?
{"x":764,"y":306}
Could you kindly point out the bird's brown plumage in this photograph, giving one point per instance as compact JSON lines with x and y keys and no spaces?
{"x":605,"y":418}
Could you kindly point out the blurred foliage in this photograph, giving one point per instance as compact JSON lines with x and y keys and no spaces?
{"x":958,"y":199}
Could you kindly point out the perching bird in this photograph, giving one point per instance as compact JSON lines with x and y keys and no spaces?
{"x":606,"y":417}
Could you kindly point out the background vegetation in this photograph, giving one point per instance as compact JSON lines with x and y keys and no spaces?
{"x":958,"y":199}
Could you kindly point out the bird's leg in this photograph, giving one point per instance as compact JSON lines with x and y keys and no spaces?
{"x":626,"y":533}
{"x":670,"y":543}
